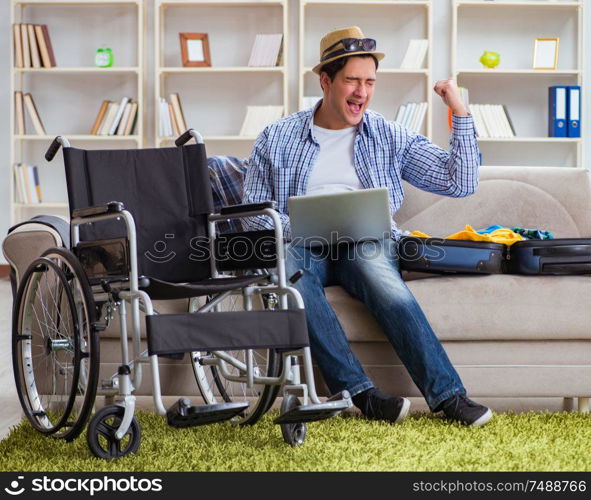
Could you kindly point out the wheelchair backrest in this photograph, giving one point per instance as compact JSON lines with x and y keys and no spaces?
{"x":167,"y":190}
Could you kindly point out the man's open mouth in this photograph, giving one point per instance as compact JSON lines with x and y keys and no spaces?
{"x":355,"y":107}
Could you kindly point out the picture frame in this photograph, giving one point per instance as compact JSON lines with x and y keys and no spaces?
{"x":195,"y":49}
{"x":545,"y":53}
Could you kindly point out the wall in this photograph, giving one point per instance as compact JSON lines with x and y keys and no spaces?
{"x":441,"y":69}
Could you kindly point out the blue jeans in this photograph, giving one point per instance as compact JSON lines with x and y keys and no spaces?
{"x":369,"y":272}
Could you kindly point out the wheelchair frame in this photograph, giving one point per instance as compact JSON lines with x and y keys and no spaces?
{"x":129,"y":376}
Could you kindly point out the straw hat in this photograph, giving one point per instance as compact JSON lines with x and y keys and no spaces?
{"x":327,"y":44}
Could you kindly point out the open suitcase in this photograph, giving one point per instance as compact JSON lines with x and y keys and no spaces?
{"x":439,"y":255}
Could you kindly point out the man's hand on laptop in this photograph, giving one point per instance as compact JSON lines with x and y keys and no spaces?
{"x":450,"y":95}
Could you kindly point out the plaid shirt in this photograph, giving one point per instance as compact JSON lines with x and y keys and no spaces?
{"x":226,"y":175}
{"x":385,"y":154}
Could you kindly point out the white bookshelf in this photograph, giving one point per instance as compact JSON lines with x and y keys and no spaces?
{"x":392,"y":23}
{"x":476,"y":26}
{"x":214,"y":99}
{"x":69,"y":95}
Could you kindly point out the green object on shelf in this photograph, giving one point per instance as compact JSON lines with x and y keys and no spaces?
{"x":103,"y":57}
{"x":490,"y":59}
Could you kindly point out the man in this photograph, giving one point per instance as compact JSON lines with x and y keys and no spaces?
{"x":340,"y":145}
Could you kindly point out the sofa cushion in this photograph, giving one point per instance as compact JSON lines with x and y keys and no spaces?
{"x":552,"y":198}
{"x":494,"y":307}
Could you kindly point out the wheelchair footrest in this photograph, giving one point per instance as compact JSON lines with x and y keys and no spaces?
{"x":182,"y":414}
{"x":314,"y":412}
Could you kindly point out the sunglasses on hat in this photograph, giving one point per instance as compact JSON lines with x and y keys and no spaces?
{"x":350,"y":45}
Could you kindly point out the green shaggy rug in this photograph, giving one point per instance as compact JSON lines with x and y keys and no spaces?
{"x":524,"y":442}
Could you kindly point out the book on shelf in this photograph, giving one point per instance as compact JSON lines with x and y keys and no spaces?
{"x":25,"y":46}
{"x":414,"y":58}
{"x":33,"y":114}
{"x":118,"y":115}
{"x":32,"y":46}
{"x":99,"y":117}
{"x":176,"y":131}
{"x":27,"y":185}
{"x":35,"y":59}
{"x":115,"y":118}
{"x":412,"y":115}
{"x":45,"y":47}
{"x":267,"y":50}
{"x":132,"y":120}
{"x":18,"y":45}
{"x":492,"y":121}
{"x":258,"y":117}
{"x":179,"y":116}
{"x":165,"y":122}
{"x":19,"y":113}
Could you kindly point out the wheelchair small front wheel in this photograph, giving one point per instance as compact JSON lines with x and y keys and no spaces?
{"x":100,"y":435}
{"x":293,"y":434}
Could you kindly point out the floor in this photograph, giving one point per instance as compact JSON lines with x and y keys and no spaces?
{"x":11,"y":414}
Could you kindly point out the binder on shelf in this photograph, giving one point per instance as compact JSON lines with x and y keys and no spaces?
{"x":414,"y":57}
{"x":266,"y":50}
{"x":557,"y":109}
{"x":574,"y":111}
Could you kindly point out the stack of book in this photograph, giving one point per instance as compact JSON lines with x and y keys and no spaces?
{"x":116,"y":118}
{"x":172,"y":119}
{"x":266,"y":50}
{"x":27,"y":187}
{"x":492,"y":120}
{"x":258,"y":117}
{"x":415,"y":54}
{"x":22,"y":101}
{"x":32,"y":46}
{"x":412,"y":115}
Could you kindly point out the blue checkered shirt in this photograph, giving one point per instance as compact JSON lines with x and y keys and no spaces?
{"x":385,"y":154}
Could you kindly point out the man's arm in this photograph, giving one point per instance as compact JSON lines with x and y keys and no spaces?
{"x":258,"y":187}
{"x":431,"y":168}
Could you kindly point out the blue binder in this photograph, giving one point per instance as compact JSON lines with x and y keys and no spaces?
{"x":574,"y":111}
{"x":557,"y":109}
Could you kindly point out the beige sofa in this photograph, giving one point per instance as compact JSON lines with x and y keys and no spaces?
{"x":508,"y":335}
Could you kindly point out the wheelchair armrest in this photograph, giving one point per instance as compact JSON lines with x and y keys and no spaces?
{"x":249,"y":207}
{"x":111,"y":207}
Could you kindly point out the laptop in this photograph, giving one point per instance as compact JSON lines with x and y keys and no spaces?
{"x":326,"y":219}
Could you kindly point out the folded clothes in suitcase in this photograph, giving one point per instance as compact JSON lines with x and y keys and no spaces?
{"x":450,"y":256}
{"x":554,"y":256}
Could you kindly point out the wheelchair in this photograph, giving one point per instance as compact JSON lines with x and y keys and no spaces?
{"x":158,"y":241}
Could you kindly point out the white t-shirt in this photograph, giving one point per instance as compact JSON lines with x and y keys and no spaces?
{"x":334,"y":170}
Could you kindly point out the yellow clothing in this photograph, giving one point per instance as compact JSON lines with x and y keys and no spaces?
{"x":504,"y":235}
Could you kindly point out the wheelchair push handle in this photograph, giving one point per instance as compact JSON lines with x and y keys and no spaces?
{"x":55,"y":146}
{"x":186,"y":137}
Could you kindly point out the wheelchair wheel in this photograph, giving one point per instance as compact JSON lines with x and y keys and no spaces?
{"x":293,"y":434}
{"x":216,"y":389}
{"x":100,"y":435}
{"x":55,"y":349}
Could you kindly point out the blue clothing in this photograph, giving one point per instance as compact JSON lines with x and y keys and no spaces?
{"x":372,"y":276}
{"x":385,"y":154}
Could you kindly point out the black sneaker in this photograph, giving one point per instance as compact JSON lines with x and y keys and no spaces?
{"x":378,"y":406}
{"x":466,"y":411}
